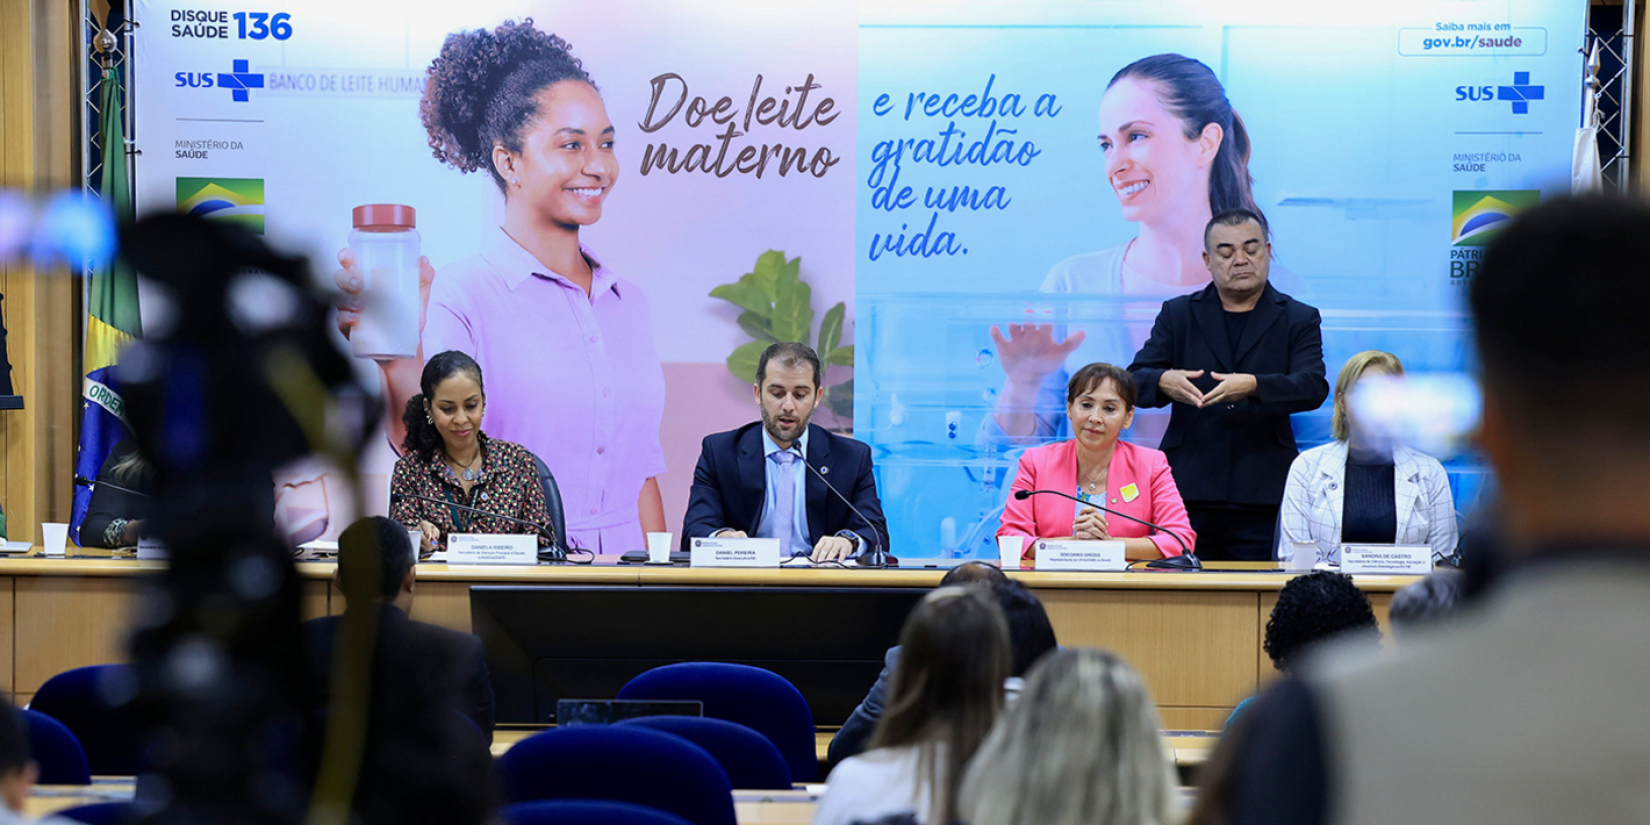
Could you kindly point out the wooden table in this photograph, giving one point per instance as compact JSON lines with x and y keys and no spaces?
{"x":1196,"y":637}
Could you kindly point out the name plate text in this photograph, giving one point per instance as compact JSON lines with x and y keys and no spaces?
{"x":733,"y":552}
{"x":1072,"y":554}
{"x":492,"y":548}
{"x":1386,"y":559}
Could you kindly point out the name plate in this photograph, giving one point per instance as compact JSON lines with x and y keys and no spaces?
{"x":492,"y":548}
{"x":1071,"y":554}
{"x":733,"y":553}
{"x":151,"y":549}
{"x":1386,"y":559}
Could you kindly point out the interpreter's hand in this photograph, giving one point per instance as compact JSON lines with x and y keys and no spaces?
{"x":832,"y":548}
{"x":1231,"y":388}
{"x":432,"y":535}
{"x":1177,"y":384}
{"x":1030,"y":353}
{"x":1090,"y":525}
{"x":350,"y":284}
{"x":729,"y":534}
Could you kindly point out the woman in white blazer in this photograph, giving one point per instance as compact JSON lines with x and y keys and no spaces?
{"x":1345,"y":492}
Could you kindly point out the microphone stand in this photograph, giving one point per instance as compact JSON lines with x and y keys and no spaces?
{"x":877,"y":556}
{"x":1187,"y":560}
{"x":555,"y":552}
{"x":86,"y":482}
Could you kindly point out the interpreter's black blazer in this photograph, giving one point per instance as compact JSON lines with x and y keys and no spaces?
{"x":1236,"y":452}
{"x":730,"y":486}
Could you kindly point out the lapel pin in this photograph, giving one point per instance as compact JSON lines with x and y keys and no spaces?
{"x":824,"y":470}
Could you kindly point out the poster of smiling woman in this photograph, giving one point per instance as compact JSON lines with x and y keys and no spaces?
{"x":1036,"y":178}
{"x":615,"y":206}
{"x":555,"y":188}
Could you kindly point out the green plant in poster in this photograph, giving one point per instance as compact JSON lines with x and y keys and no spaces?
{"x":778,"y":306}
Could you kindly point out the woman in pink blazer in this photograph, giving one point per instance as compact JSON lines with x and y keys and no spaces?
{"x":1125,"y":477}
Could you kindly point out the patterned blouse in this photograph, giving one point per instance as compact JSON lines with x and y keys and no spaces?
{"x":508,"y":485}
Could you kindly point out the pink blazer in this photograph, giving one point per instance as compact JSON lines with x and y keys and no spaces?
{"x":1138,"y":482}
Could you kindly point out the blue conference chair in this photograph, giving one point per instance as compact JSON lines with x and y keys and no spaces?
{"x":102,"y":813}
{"x":619,"y":763}
{"x":81,"y":700}
{"x":758,"y":699}
{"x":56,"y":750}
{"x":750,"y":758}
{"x":552,"y":501}
{"x":586,"y":812}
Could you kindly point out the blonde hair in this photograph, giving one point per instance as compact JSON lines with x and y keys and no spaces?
{"x":1354,"y":369}
{"x":1081,"y":746}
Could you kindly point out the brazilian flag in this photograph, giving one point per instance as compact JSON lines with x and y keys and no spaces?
{"x":112,"y":315}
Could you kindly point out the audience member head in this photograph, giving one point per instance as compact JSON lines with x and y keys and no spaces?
{"x":1082,"y":745}
{"x":375,"y":562}
{"x":974,"y":572}
{"x":1423,"y":604}
{"x":1030,"y":634}
{"x":17,"y":769}
{"x":446,"y":413}
{"x":1317,"y":607}
{"x":1373,"y":362}
{"x":947,"y":688}
{"x":1559,"y":296}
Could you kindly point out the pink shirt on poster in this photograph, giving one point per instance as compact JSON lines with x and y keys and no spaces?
{"x":574,"y":378}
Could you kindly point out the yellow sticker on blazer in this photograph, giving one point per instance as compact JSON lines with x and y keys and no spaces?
{"x":1130,"y":492}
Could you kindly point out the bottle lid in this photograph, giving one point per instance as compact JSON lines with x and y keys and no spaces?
{"x":384,"y":216}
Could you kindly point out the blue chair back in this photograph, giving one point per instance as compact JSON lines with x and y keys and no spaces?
{"x":102,"y":813}
{"x":751,"y":760}
{"x":62,"y":761}
{"x":552,"y":501}
{"x":758,"y":699}
{"x":79,"y":699}
{"x":586,"y":812}
{"x":619,"y":764}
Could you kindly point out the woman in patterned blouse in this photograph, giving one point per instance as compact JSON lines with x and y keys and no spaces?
{"x":446,"y":457}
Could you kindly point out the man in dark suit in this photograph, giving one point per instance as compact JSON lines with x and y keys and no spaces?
{"x":400,"y":640}
{"x":1235,"y":360}
{"x":751,"y":482}
{"x":421,"y":759}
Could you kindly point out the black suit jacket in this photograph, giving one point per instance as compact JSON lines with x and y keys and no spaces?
{"x":1236,"y":452}
{"x":850,"y":740}
{"x":409,"y":650}
{"x":730,"y":486}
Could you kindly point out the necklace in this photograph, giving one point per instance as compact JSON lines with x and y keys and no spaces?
{"x":467,"y":472}
{"x":1096,"y":480}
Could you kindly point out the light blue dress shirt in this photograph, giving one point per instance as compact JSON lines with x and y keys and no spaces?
{"x":770,"y":502}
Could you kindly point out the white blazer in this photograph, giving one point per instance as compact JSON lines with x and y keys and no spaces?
{"x":1313,"y":498}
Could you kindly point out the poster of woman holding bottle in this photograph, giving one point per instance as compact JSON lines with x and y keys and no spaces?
{"x":567,"y":345}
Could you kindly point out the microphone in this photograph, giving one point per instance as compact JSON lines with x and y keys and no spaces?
{"x":1187,"y":560}
{"x":86,"y":482}
{"x":555,"y":552}
{"x":877,"y":556}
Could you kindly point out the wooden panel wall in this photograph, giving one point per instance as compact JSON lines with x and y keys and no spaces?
{"x":39,"y":141}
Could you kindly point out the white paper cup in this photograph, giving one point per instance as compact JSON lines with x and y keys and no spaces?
{"x":416,"y":536}
{"x":1008,"y":551}
{"x":54,"y":539}
{"x":658,"y":547}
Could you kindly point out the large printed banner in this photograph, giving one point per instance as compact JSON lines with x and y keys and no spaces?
{"x":996,"y":193}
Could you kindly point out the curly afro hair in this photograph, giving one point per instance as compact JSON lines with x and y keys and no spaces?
{"x":1314,"y":607}
{"x":481,"y":91}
